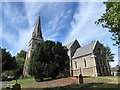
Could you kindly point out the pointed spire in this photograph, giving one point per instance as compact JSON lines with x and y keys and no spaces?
{"x":37,"y":31}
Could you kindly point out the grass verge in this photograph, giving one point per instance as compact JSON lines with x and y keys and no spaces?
{"x":23,"y":81}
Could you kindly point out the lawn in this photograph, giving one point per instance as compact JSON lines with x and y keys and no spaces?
{"x":102,"y":79}
{"x":89,"y":82}
{"x":23,"y":81}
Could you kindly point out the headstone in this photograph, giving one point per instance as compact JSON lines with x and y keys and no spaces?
{"x":16,"y":87}
{"x":80,"y":79}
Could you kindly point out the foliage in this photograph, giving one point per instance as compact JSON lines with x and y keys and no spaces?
{"x":8,"y":62}
{"x":111,"y":20}
{"x":48,"y":60}
{"x":20,"y":59}
{"x":109,"y":54}
{"x":21,"y":54}
{"x":118,"y":68}
{"x":9,"y":72}
{"x":12,"y":66}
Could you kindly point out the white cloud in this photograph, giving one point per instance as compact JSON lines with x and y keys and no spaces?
{"x":24,"y":38}
{"x":84,"y":29}
{"x":54,"y":25}
{"x":0,"y":24}
{"x":22,"y":41}
{"x":55,"y":0}
{"x":0,"y":34}
{"x":32,"y":11}
{"x":14,"y":18}
{"x":83,"y":25}
{"x":12,"y":14}
{"x":79,"y":20}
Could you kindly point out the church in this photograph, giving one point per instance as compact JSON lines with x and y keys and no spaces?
{"x":88,"y":60}
{"x":36,"y":38}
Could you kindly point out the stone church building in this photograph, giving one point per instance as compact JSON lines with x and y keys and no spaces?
{"x":87,"y":60}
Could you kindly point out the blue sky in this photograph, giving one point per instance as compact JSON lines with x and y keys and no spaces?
{"x":60,"y":21}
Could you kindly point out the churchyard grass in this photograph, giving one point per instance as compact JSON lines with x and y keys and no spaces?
{"x":103,"y":79}
{"x":23,"y":81}
{"x":89,"y":82}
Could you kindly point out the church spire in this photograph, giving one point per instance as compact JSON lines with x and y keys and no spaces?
{"x":37,"y":31}
{"x":36,"y":39}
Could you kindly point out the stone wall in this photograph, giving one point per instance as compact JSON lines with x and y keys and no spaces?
{"x":84,"y":65}
{"x":74,"y":47}
{"x":103,"y":68}
{"x":71,"y":52}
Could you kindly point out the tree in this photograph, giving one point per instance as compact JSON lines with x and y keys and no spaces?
{"x":22,"y":54}
{"x":8,"y":62}
{"x":109,"y":54}
{"x":118,"y":68}
{"x":49,"y":59}
{"x":111,"y":20}
{"x":20,"y":59}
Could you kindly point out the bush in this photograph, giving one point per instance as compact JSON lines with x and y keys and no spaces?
{"x":49,"y":59}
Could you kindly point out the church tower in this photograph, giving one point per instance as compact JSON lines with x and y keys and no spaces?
{"x":36,"y":38}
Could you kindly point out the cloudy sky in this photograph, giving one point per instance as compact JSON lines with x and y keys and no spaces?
{"x":60,"y":21}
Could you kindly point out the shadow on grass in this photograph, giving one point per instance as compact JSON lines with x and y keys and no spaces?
{"x":89,"y":86}
{"x":49,"y":79}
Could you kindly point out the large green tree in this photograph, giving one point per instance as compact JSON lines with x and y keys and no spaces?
{"x":111,"y":20}
{"x":22,"y":54}
{"x":49,"y":59}
{"x":8,"y":62}
{"x":20,"y":59}
{"x":109,"y":54}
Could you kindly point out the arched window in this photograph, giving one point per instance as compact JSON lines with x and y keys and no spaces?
{"x":85,"y":62}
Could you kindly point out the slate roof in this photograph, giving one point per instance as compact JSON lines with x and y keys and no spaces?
{"x":70,"y":44}
{"x":37,"y":30}
{"x":117,"y":68}
{"x":85,"y":50}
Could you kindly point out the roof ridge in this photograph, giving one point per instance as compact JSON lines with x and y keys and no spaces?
{"x":95,"y":44}
{"x":71,"y":43}
{"x":88,"y":44}
{"x":87,"y":49}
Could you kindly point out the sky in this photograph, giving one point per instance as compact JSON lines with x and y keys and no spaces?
{"x":60,"y":21}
